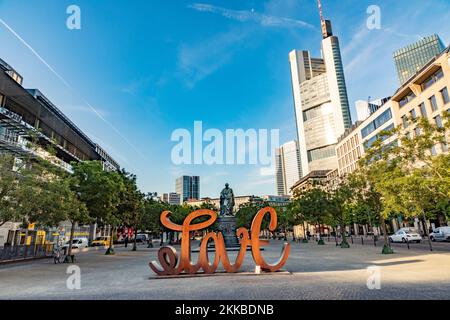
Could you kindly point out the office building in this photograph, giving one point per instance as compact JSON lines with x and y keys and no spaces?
{"x":188,"y":187}
{"x":287,"y":167}
{"x":353,"y":144}
{"x":410,"y":59}
{"x":171,"y":198}
{"x":26,"y":112}
{"x":425,"y":94}
{"x":321,"y":103}
{"x":365,"y":109}
{"x":27,"y":115}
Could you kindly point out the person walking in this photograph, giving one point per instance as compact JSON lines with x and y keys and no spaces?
{"x":126,"y":241}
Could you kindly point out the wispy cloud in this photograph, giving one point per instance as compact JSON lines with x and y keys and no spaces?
{"x":252,"y":16}
{"x":135,"y":86}
{"x":197,"y":61}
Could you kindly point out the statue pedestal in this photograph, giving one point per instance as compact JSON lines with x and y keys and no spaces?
{"x":227,"y":225}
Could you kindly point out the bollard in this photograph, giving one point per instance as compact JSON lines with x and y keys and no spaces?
{"x":351,"y":238}
{"x":362,"y":241}
{"x":407,"y":243}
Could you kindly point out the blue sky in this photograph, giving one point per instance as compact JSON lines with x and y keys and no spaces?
{"x":150,"y":67}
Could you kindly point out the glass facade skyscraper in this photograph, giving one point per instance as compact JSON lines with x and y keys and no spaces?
{"x":321,"y":103}
{"x":188,"y":187}
{"x":412,"y":58}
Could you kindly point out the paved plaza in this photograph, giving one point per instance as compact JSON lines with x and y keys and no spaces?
{"x":312,"y":272}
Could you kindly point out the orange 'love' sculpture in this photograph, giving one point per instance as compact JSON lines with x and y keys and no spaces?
{"x":172,"y":265}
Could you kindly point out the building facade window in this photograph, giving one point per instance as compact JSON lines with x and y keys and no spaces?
{"x":433,"y":103}
{"x":405,"y":122}
{"x":417,"y":131}
{"x":405,"y":100}
{"x":438,"y":121}
{"x":2,"y":99}
{"x":321,"y":153}
{"x":413,"y":114}
{"x":432,"y":80}
{"x":378,"y":122}
{"x":445,"y":96}
{"x":423,"y":110}
{"x":433,"y":150}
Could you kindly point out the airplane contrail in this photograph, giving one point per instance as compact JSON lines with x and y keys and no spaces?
{"x":69,"y":87}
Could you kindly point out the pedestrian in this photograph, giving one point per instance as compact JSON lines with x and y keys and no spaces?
{"x":126,"y":241}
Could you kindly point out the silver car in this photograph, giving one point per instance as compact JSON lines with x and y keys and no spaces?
{"x":440,"y":234}
{"x":406,"y":235}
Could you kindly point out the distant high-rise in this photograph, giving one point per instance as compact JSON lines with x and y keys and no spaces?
{"x":188,"y":187}
{"x":321,"y":102}
{"x":365,"y":109}
{"x":412,"y":58}
{"x":172,"y":198}
{"x":287,"y":167}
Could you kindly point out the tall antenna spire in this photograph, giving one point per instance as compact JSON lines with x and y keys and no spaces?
{"x":319,"y":3}
{"x":325,"y":24}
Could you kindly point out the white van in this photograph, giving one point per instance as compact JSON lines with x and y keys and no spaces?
{"x":78,"y":243}
{"x":440,"y":234}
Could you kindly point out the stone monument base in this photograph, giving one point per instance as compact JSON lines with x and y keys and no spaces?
{"x":227,"y":225}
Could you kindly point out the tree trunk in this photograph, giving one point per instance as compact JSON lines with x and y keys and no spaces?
{"x":384,"y":230}
{"x":304,"y":231}
{"x":135,"y":239}
{"x":344,"y":243}
{"x":110,"y":250}
{"x":425,"y":227}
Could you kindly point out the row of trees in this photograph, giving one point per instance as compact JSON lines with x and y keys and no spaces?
{"x":36,"y":191}
{"x":400,"y":174}
{"x":33,"y":190}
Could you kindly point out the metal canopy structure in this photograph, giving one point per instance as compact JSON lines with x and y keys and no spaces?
{"x":29,"y":112}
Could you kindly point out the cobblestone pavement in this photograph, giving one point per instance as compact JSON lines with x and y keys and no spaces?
{"x":313,"y":272}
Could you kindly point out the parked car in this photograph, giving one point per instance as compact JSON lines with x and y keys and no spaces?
{"x":440,"y":234}
{"x":406,"y":235}
{"x":279,"y":235}
{"x":77,"y":243}
{"x":101,"y":241}
{"x":142,"y":238}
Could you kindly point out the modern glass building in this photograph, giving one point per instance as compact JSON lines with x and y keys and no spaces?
{"x":287,"y":167}
{"x":410,"y":59}
{"x":321,"y":103}
{"x":188,"y":187}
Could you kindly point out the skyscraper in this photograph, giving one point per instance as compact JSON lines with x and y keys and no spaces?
{"x":321,"y":103}
{"x":412,"y":58}
{"x":188,"y":187}
{"x":287,"y":167}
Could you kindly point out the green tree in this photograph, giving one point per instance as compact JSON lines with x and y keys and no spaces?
{"x":131,"y":206}
{"x":314,"y":206}
{"x":339,"y":202}
{"x":298,"y":216}
{"x":8,"y":190}
{"x":406,"y":174}
{"x":100,"y":191}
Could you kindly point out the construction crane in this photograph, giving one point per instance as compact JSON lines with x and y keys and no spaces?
{"x":319,"y":3}
{"x":325,"y":24}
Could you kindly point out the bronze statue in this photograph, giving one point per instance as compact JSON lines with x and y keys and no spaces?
{"x":226,"y":201}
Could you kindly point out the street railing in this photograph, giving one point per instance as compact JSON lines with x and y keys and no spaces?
{"x":23,"y":252}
